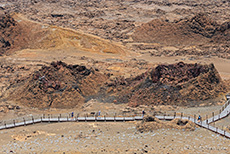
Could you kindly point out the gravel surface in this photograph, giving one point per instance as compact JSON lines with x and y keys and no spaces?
{"x":108,"y":138}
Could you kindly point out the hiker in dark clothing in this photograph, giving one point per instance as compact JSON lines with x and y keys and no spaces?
{"x":199,"y":118}
{"x":72,"y":114}
{"x":143,"y":113}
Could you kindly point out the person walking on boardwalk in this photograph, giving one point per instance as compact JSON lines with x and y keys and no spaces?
{"x":199,"y":118}
{"x":143,"y":113}
{"x":72,"y":114}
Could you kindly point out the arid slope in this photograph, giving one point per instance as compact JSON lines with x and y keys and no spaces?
{"x":18,"y":33}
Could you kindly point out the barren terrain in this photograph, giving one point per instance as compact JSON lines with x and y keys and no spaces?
{"x":119,"y":57}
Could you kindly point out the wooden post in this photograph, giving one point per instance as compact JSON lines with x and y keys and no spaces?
{"x":33,"y":119}
{"x":216,"y":129}
{"x":49,"y":117}
{"x":43,"y":115}
{"x":14,"y":123}
{"x":212,"y":116}
{"x":104,"y":118}
{"x":188,"y":117}
{"x":5,"y":124}
{"x":115,"y":117}
{"x":58,"y":119}
{"x":181,"y":115}
{"x":77,"y":117}
{"x":208,"y":126}
{"x":41,"y":119}
{"x":224,"y":132}
{"x":67,"y":118}
{"x":174,"y":115}
{"x":24,"y":121}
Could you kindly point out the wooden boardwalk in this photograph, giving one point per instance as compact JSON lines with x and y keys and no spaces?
{"x":224,"y":112}
{"x":67,"y":119}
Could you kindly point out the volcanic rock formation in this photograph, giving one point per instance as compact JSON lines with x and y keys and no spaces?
{"x":9,"y":31}
{"x":58,"y":85}
{"x":64,"y":86}
{"x":175,"y":84}
{"x":150,"y":125}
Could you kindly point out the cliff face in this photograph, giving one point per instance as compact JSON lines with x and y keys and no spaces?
{"x":176,"y":84}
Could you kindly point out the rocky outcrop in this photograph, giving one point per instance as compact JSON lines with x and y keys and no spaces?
{"x":8,"y":32}
{"x":175,"y":84}
{"x":151,"y":123}
{"x":58,"y":85}
{"x":63,"y":86}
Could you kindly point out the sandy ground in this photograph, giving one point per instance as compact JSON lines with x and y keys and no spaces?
{"x":108,"y":138}
{"x":120,"y":137}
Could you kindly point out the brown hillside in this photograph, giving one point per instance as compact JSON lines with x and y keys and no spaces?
{"x":18,"y":33}
{"x":199,"y":29}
